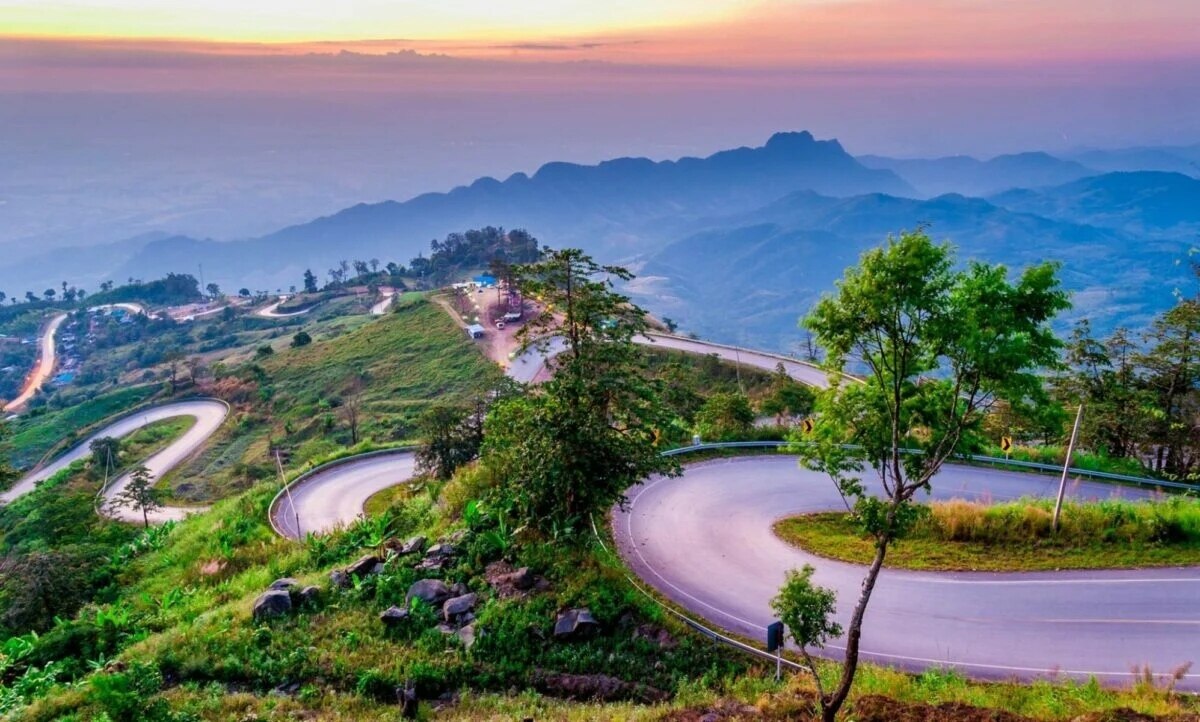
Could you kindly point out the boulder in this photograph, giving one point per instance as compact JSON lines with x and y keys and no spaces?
{"x":393,"y":616}
{"x":444,"y":550}
{"x":272,"y":603}
{"x":308,"y":595}
{"x":575,"y":623}
{"x":365,"y":565}
{"x":521,"y":579}
{"x":415,"y":545}
{"x":431,"y":591}
{"x":458,"y":606}
{"x":655,"y":635}
{"x":458,"y":589}
{"x":467,"y":635}
{"x":287,"y":583}
{"x":339,"y":579}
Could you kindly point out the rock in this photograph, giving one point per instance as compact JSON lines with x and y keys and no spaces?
{"x":455,"y":537}
{"x":309,"y":595}
{"x":393,"y":616}
{"x":594,"y":687}
{"x":458,"y":589}
{"x":407,"y":698}
{"x":286,"y":583}
{"x":508,"y":582}
{"x":656,"y":635}
{"x":522,"y":579}
{"x":575,"y":623}
{"x":441,"y":550}
{"x":457,"y":606}
{"x":431,"y":591}
{"x":467,"y":635}
{"x":413,"y":546}
{"x":339,"y":579}
{"x":432,"y":564}
{"x":363,"y":566}
{"x":446,"y":629}
{"x":272,"y":603}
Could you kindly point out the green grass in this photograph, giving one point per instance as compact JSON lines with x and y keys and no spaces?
{"x":35,"y":435}
{"x":1017,"y":536}
{"x":1055,"y":455}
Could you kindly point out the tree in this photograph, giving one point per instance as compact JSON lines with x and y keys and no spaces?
{"x":670,"y":324}
{"x":788,"y":397}
{"x":214,"y":291}
{"x":138,"y":494}
{"x":573,"y":445}
{"x":244,"y":292}
{"x":806,"y":609}
{"x":939,"y":346}
{"x":351,"y":407}
{"x":3,"y":296}
{"x":451,"y":437}
{"x":106,"y":454}
{"x":301,"y":339}
{"x":725,"y":415}
{"x":310,"y":281}
{"x":30,"y":297}
{"x":49,"y":294}
{"x":1172,"y":368}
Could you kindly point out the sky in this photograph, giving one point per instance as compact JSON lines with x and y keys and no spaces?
{"x":228,"y":118}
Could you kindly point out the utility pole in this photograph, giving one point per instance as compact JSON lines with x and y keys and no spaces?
{"x":288,"y":490}
{"x":1062,"y":483}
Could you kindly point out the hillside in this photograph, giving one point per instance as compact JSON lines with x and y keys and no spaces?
{"x":1141,"y":202}
{"x":748,"y":278}
{"x":615,"y":208}
{"x":972,"y":177}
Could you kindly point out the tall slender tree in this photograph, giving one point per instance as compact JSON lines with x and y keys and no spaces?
{"x":939,"y":346}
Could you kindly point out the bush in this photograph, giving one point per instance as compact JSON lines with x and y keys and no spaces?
{"x":724,"y":416}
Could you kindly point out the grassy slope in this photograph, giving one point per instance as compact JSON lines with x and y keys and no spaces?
{"x":34,"y":435}
{"x":409,"y":359}
{"x":1016,"y":537}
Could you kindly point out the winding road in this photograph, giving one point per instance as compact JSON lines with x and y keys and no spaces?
{"x":526,"y":366}
{"x":209,"y":415}
{"x":47,"y":358}
{"x":705,"y":540}
{"x":272,"y":310}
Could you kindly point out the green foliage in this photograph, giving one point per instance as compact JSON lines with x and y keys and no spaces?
{"x":806,"y":609}
{"x":939,"y":345}
{"x":173,"y":290}
{"x":33,"y":436}
{"x":450,"y":437}
{"x":138,"y":494}
{"x":724,"y":416}
{"x":571,"y":447}
{"x":301,"y":339}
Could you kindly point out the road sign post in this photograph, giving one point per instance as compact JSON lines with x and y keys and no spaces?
{"x":775,"y":644}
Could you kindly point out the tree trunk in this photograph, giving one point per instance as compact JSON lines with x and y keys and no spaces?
{"x":833,"y":704}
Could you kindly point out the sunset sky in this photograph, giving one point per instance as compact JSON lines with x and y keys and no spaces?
{"x":305,"y":106}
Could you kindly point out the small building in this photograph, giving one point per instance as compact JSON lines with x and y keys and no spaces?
{"x":485,"y":280}
{"x":475,"y":331}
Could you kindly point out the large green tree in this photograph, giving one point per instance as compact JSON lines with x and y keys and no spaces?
{"x":573,"y":445}
{"x":939,"y":345}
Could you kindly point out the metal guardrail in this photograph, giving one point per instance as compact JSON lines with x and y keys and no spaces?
{"x":304,"y":476}
{"x":977,"y":458}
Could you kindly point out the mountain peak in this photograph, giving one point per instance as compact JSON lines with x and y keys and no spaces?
{"x":791,"y":140}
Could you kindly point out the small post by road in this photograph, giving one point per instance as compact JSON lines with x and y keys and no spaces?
{"x":775,"y":644}
{"x":1062,"y":483}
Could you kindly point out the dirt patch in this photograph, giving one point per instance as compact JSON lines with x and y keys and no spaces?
{"x":884,"y":709}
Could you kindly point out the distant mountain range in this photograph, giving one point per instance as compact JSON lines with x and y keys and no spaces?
{"x":738,"y":244}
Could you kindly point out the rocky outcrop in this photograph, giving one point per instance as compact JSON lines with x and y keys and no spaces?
{"x":456,"y":607}
{"x":433,"y":592}
{"x":393,"y":616}
{"x":272,"y":603}
{"x":364,"y":565}
{"x":575,"y":623}
{"x":286,"y":584}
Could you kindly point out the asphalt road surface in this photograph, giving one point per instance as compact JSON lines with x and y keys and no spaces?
{"x":47,"y":358}
{"x":208,"y":414}
{"x":334,"y":496}
{"x":272,"y":310}
{"x":526,"y":366}
{"x":705,"y":541}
